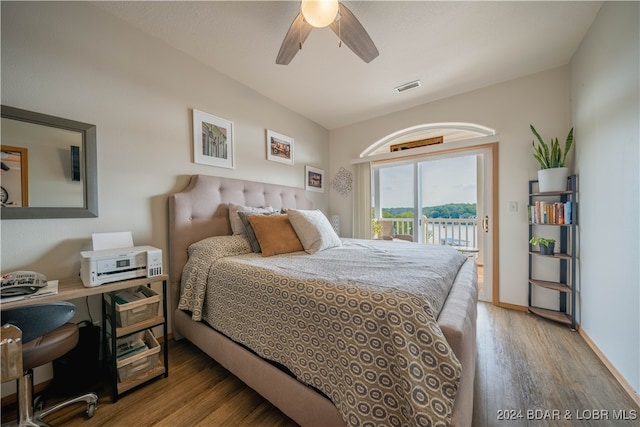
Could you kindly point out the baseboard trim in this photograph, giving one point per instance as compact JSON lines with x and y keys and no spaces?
{"x":616,"y":374}
{"x":160,"y":338}
{"x":512,"y":306}
{"x":623,"y":382}
{"x":12,"y":399}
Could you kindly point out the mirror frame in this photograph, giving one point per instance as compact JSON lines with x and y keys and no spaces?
{"x":89,"y":175}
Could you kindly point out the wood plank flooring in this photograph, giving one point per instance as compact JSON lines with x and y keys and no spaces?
{"x":524,"y":364}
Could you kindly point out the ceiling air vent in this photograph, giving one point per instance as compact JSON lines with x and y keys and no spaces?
{"x":407,"y":86}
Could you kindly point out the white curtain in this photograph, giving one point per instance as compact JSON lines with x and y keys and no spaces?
{"x":362,"y":202}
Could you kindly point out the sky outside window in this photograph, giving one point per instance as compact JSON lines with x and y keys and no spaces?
{"x":451,"y":180}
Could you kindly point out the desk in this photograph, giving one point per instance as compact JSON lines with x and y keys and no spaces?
{"x":73,"y":288}
{"x":69,"y":289}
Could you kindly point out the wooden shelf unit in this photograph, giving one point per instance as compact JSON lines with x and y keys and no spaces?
{"x":556,"y":255}
{"x":114,"y":332}
{"x":561,"y":287}
{"x":124,"y":386}
{"x":566,"y":257}
{"x":556,"y":316}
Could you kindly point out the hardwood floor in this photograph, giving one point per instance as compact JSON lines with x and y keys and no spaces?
{"x":524,"y":364}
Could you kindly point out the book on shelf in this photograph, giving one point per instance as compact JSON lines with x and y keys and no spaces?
{"x":128,"y":347}
{"x":128,"y":295}
{"x":542,"y":212}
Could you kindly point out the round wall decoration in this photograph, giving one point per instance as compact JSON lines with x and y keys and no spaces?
{"x":342,"y":182}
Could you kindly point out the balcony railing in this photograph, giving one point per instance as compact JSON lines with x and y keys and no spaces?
{"x":438,"y":231}
{"x":452,"y":232}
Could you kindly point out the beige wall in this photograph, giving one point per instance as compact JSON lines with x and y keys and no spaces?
{"x":605,"y":96}
{"x":598,"y":94}
{"x":541,"y":99}
{"x":74,"y":61}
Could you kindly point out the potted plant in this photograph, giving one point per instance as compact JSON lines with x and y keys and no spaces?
{"x":553,"y":172}
{"x":546,"y":245}
{"x":376,"y":229}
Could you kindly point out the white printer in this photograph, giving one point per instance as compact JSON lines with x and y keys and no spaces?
{"x":112,"y":265}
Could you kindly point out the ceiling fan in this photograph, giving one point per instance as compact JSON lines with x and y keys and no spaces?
{"x":321,"y":13}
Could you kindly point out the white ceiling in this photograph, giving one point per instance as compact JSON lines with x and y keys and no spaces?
{"x":452,"y":47}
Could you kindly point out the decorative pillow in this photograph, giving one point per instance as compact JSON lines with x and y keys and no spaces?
{"x":237,"y":227}
{"x":250,"y":233}
{"x":275,"y":234}
{"x":313,"y":229}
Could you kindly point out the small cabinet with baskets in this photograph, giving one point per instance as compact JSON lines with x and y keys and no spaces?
{"x":554,"y":214}
{"x":129,"y":316}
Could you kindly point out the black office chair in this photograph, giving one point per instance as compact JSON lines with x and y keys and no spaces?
{"x":46,"y":336}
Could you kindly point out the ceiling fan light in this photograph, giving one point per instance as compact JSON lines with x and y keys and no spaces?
{"x":319,"y":13}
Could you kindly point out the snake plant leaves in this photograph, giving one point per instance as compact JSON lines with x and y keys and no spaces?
{"x":550,"y":155}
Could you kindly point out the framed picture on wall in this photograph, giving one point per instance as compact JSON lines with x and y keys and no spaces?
{"x":279,"y":147}
{"x":314,"y":179}
{"x":212,"y":140}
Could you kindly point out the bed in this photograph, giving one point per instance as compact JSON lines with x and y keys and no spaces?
{"x":199,"y":218}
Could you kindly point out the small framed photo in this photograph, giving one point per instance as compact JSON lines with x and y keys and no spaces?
{"x":314,"y":179}
{"x":279,"y":147}
{"x":212,"y":140}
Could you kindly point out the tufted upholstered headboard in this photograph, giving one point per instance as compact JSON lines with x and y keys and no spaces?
{"x":201,"y":211}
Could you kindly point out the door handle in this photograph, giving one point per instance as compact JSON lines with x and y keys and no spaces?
{"x":485,"y":224}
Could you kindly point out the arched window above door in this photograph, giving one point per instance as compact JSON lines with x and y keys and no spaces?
{"x":451,"y":132}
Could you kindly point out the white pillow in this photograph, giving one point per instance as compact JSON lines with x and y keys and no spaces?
{"x":237,"y":227}
{"x":313,"y":229}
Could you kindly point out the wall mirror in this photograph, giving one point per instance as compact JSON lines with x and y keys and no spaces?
{"x":49,"y":167}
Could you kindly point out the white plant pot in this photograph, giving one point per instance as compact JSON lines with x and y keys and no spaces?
{"x":554,"y":179}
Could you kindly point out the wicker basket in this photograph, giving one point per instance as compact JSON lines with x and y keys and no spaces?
{"x":140,"y":362}
{"x":137,"y":311}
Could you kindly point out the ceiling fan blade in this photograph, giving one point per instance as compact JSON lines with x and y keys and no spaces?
{"x":353,"y":34}
{"x":292,"y":43}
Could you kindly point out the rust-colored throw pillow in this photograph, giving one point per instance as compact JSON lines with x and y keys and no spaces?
{"x":275,"y":234}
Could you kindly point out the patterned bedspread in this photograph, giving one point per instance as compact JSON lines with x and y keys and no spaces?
{"x":358,"y":322}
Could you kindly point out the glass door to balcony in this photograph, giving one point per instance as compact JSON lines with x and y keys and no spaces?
{"x":449,"y":201}
{"x":442,"y":199}
{"x":394,"y":201}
